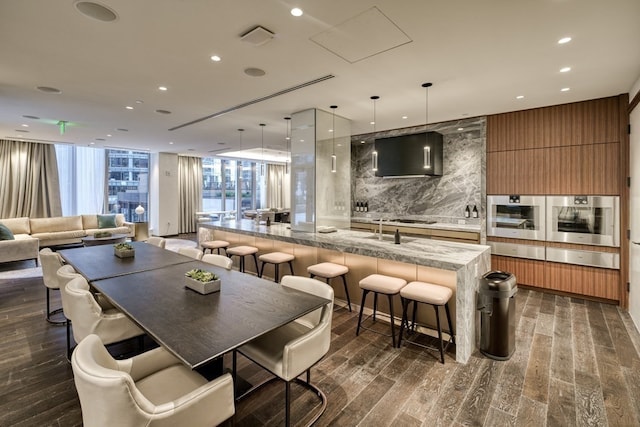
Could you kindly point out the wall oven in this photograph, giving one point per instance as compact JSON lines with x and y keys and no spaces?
{"x":589,"y":220}
{"x":516,"y":216}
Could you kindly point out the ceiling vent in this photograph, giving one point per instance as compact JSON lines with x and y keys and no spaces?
{"x":257,"y":36}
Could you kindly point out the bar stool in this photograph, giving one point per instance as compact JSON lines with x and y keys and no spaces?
{"x":243,"y":251}
{"x":276,"y":258}
{"x":330,"y":270}
{"x":426,"y":293}
{"x":214,"y":244}
{"x":380,"y":284}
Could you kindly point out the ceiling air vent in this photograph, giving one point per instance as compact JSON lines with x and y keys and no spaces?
{"x":257,"y":36}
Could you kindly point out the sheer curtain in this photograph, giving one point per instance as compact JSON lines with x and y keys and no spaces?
{"x":190,"y":192}
{"x":83,"y":179}
{"x":278,"y":187}
{"x":28,"y":180}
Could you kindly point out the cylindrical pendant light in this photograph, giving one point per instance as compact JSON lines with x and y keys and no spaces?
{"x":262,"y":167}
{"x":334,"y":159}
{"x":287,"y":165}
{"x":374,"y":153}
{"x":426,"y":161}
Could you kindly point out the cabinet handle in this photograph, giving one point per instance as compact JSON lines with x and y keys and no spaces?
{"x":635,"y":243}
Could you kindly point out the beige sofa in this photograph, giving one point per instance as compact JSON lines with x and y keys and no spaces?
{"x":34,"y":233}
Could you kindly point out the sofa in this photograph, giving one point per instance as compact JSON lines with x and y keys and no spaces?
{"x":31,"y":234}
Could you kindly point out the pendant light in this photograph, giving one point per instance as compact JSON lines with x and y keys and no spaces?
{"x":287,"y":165}
{"x":374,"y":153}
{"x":426,"y":159}
{"x":262,"y":125}
{"x":334,"y":159}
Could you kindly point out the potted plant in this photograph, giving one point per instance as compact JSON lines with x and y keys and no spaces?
{"x":202,"y":281}
{"x":123,"y":250}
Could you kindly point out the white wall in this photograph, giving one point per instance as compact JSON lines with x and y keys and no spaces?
{"x":634,"y":214}
{"x":163,"y":194}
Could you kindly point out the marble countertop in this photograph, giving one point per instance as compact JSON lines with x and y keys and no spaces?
{"x":421,"y":251}
{"x":435,"y":226}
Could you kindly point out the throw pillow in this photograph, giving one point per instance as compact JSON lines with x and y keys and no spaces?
{"x":5,"y":233}
{"x":106,"y":221}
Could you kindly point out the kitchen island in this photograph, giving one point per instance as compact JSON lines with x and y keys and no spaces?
{"x":452,"y":264}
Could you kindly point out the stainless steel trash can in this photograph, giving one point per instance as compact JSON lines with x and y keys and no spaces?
{"x":497,"y":304}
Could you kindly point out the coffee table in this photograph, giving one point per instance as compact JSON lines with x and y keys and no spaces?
{"x":94,"y":241}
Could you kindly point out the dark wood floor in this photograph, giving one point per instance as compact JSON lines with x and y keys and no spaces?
{"x":576,"y":363}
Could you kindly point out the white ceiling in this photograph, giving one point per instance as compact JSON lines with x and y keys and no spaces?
{"x":479,"y":55}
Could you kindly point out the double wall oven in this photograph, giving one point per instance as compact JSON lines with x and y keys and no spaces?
{"x":587,"y":220}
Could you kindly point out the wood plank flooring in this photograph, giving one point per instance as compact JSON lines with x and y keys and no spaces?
{"x":577,"y":363}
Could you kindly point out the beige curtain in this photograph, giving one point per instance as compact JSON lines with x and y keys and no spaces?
{"x":190,"y":192}
{"x":278,"y":186}
{"x":29,"y":184}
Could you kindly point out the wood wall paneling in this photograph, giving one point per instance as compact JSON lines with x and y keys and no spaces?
{"x":606,"y":169}
{"x":569,"y":169}
{"x":529,"y":172}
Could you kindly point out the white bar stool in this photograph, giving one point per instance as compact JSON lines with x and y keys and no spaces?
{"x":426,"y":293}
{"x":330,"y":270}
{"x":214,"y":244}
{"x":243,"y":251}
{"x":380,"y":284}
{"x":276,"y":258}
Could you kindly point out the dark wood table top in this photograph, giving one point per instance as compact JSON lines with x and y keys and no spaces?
{"x":99,"y":262}
{"x":200,"y":328}
{"x":93,"y":240}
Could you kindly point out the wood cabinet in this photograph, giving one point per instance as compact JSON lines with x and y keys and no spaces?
{"x":581,"y":280}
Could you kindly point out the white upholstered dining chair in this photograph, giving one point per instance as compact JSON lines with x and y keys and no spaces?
{"x":88,"y":317}
{"x":292,"y":349}
{"x":51,"y":262}
{"x":218,"y":260}
{"x":157,"y":241}
{"x":150,"y":389}
{"x":194,"y":253}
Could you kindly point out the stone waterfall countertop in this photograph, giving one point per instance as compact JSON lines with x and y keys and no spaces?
{"x":431,"y":253}
{"x":435,"y":225}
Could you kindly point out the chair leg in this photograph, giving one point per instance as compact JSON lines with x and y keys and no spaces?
{"x":48,"y":304}
{"x":346,"y":291}
{"x":287,"y":416}
{"x":435,"y":307}
{"x":413,"y":320}
{"x":255,"y":259}
{"x":451,"y":331}
{"x":276,"y":272}
{"x":261,"y":269}
{"x":68,"y":339}
{"x":364,"y":297}
{"x":234,"y":368}
{"x":393,"y":323}
{"x":375,"y":305}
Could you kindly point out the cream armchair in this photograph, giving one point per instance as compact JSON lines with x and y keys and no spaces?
{"x":194,"y":253}
{"x":218,"y":260}
{"x":88,"y":317}
{"x":151,"y":389}
{"x":157,"y":241}
{"x":294,"y":348}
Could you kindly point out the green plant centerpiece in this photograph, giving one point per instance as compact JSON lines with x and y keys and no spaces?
{"x":123,"y":250}
{"x":202,"y":281}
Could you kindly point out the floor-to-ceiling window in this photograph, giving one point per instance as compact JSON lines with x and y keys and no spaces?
{"x":95,"y":180}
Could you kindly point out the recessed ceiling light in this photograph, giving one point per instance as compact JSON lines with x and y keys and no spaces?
{"x":49,"y":89}
{"x":170,"y":142}
{"x":138,"y":101}
{"x":31,"y":117}
{"x":96,"y":11}
{"x":109,"y":135}
{"x":520,"y":97}
{"x":24,"y":125}
{"x":565,"y":89}
{"x":216,"y":58}
{"x":331,"y":130}
{"x":565,"y":69}
{"x":460,"y":128}
{"x":404,"y":117}
{"x":296,"y":11}
{"x":128,"y":107}
{"x":372,"y":123}
{"x":362,"y":142}
{"x":564,"y":40}
{"x":162,"y":88}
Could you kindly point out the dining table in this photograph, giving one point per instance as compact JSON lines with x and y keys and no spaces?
{"x":198,"y":329}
